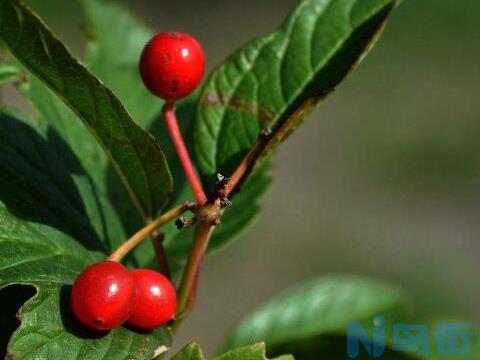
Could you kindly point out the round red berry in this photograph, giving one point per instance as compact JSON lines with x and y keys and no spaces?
{"x":156,"y":301}
{"x":172,"y":65}
{"x":103,"y":295}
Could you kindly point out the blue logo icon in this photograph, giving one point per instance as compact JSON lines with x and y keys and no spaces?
{"x":448,"y":338}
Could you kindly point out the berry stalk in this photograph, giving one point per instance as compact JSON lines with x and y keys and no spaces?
{"x":143,"y":233}
{"x":203,"y":232}
{"x":181,"y":149}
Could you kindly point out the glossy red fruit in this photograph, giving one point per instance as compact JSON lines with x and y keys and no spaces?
{"x":103,"y":295}
{"x":156,"y":301}
{"x":172,"y":65}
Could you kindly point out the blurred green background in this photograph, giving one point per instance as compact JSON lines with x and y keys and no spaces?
{"x":383,"y":180}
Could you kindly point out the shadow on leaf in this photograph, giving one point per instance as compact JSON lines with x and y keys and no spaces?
{"x":37,"y":180}
{"x":11,"y":299}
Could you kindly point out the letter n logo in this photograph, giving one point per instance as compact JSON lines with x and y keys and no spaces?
{"x":357,"y":336}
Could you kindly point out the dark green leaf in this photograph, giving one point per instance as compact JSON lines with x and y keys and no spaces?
{"x":53,"y":223}
{"x":8,"y":73}
{"x":111,"y":31}
{"x":312,"y":318}
{"x":136,"y":156}
{"x":273,"y":81}
{"x":252,"y":352}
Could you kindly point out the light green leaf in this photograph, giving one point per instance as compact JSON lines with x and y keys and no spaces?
{"x":113,"y":30}
{"x":136,"y":155}
{"x":115,"y":42}
{"x":53,"y":225}
{"x":275,"y":80}
{"x":312,"y":318}
{"x":252,"y":352}
{"x":50,"y":111}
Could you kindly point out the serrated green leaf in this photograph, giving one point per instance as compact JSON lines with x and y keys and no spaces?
{"x":136,"y":155}
{"x":53,"y":225}
{"x":273,"y":81}
{"x":112,"y":31}
{"x":8,"y":73}
{"x":312,"y":318}
{"x":190,"y":352}
{"x":253,"y":352}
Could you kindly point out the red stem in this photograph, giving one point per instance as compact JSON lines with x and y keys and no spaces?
{"x":177,"y":139}
{"x":158,"y":238}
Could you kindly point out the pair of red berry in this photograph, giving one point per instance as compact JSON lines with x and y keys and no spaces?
{"x":106,"y":295}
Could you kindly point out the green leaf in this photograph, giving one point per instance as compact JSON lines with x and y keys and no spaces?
{"x":136,"y":155}
{"x":112,"y":31}
{"x":312,"y":318}
{"x":253,"y":352}
{"x":275,"y":80}
{"x":50,"y":111}
{"x":53,"y":225}
{"x":190,"y":352}
{"x":8,"y":73}
{"x":84,"y":152}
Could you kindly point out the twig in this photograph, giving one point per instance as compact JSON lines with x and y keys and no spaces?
{"x":138,"y":237}
{"x":157,"y":240}
{"x":203,"y":232}
{"x":247,"y":163}
{"x":205,"y":227}
{"x":177,"y":139}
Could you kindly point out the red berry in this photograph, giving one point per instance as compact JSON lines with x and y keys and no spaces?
{"x":103,"y":295}
{"x":172,"y":65}
{"x":156,"y":301}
